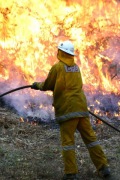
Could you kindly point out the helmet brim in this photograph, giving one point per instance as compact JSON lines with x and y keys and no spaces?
{"x":68,"y":52}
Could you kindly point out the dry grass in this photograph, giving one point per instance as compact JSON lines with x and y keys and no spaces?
{"x":32,"y":152}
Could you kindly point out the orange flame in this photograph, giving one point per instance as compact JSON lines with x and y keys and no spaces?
{"x":30,"y":31}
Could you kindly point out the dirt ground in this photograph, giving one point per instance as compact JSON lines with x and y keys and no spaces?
{"x":32,"y":152}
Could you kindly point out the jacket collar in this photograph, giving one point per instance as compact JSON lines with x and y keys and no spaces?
{"x":66,"y":58}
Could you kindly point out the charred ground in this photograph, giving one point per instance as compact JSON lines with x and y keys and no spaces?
{"x":32,"y":152}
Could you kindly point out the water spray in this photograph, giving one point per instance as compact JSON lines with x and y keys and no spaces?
{"x":96,"y":116}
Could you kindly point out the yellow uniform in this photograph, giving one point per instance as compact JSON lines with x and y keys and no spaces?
{"x":71,"y":112}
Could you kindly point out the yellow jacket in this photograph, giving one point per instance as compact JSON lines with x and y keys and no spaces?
{"x":64,"y":79}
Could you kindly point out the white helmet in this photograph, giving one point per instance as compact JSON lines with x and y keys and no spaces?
{"x":67,"y":47}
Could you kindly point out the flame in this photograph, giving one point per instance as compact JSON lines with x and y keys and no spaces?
{"x":30,"y":31}
{"x":21,"y":119}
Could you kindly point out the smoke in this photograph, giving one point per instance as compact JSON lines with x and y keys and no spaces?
{"x":113,"y":53}
{"x":103,"y":103}
{"x":38,"y":107}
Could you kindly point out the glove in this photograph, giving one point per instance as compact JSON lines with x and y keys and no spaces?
{"x":36,"y":86}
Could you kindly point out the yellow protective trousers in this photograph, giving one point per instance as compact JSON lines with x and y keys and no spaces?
{"x":67,"y":130}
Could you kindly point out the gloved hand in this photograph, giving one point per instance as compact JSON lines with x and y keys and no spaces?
{"x":36,"y":85}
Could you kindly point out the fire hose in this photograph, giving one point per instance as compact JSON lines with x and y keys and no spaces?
{"x":23,"y":87}
{"x":96,"y":116}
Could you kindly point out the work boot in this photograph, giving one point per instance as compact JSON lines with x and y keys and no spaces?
{"x":70,"y":177}
{"x":104,"y":171}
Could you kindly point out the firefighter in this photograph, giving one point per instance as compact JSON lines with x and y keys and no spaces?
{"x":71,"y":111}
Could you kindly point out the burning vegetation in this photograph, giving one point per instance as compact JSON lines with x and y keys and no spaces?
{"x":29,"y":34}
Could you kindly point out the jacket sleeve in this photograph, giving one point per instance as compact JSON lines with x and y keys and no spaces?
{"x":50,"y":81}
